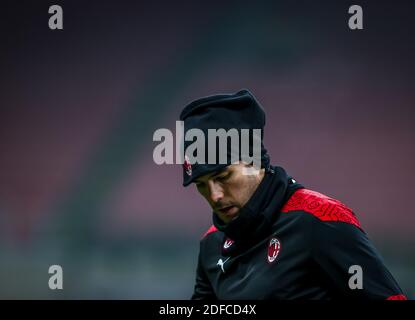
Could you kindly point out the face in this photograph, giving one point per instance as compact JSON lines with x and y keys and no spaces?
{"x":227,"y":191}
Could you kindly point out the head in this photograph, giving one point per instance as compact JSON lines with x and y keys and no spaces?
{"x":229,"y":189}
{"x":227,"y":186}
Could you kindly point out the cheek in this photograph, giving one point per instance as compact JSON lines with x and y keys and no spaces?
{"x":207,"y":198}
{"x":203,"y":193}
{"x":236,"y":192}
{"x":244,"y":190}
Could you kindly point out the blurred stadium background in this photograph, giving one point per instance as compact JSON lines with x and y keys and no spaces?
{"x":78,"y":108}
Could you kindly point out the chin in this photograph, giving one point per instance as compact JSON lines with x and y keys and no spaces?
{"x":227,"y":219}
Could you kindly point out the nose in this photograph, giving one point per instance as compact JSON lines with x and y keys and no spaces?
{"x":215,"y":192}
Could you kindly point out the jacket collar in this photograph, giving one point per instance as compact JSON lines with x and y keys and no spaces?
{"x":256,"y":218}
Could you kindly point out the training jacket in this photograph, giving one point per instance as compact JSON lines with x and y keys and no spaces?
{"x":289,"y":242}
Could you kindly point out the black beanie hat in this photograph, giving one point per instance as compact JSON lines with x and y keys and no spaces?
{"x":240,"y":111}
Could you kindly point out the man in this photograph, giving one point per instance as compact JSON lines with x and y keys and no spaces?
{"x":271,"y":237}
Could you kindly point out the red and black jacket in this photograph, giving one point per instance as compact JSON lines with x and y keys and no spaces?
{"x":289,"y":242}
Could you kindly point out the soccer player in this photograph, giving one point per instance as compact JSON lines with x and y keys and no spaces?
{"x":273,"y":238}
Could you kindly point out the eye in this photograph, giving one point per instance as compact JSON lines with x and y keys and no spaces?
{"x":223,"y":178}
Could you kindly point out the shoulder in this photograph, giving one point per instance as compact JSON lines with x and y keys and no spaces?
{"x":212,"y":236}
{"x":320,"y":206}
{"x":211,"y":230}
{"x":211,"y":240}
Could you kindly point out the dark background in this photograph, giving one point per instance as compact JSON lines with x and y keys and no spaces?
{"x":79,"y":106}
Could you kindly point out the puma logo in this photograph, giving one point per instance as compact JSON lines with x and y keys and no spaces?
{"x":221,"y":263}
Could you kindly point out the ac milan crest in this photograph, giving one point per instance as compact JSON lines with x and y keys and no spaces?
{"x":228,"y":243}
{"x":187,"y":165}
{"x":274,"y":248}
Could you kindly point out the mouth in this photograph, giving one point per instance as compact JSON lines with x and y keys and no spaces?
{"x":228,"y":211}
